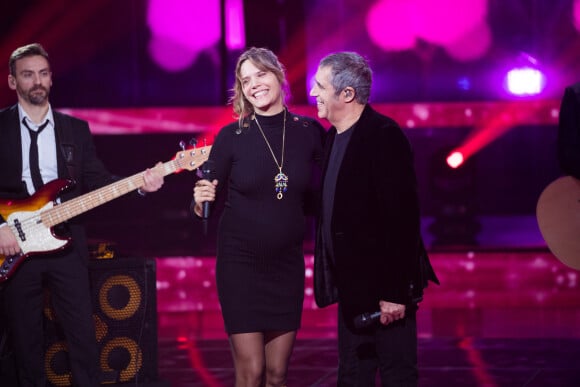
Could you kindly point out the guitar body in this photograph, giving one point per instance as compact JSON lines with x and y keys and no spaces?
{"x":558,"y":215}
{"x":24,"y":217}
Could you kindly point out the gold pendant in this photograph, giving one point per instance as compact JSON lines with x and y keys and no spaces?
{"x":281,"y":185}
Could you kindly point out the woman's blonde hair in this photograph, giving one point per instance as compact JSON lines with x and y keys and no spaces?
{"x":265,"y":60}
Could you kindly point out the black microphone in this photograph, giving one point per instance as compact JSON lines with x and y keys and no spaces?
{"x":206,"y":173}
{"x":366,"y":319}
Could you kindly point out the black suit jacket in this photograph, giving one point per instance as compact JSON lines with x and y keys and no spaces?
{"x":76,"y":158}
{"x":569,"y":131}
{"x":375,"y":224}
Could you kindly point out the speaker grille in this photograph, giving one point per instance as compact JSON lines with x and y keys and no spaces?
{"x":125,"y":313}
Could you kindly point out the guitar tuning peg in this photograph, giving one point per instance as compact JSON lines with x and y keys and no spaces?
{"x":182,"y":144}
{"x":193,"y":142}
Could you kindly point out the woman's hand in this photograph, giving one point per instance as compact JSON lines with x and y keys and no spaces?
{"x":204,"y":191}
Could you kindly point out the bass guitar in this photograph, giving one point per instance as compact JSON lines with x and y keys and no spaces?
{"x":32,"y":219}
{"x":558,"y":215}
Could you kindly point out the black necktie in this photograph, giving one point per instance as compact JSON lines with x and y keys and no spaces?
{"x":33,"y":155}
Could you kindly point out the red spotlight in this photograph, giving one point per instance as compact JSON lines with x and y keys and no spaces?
{"x":455,"y":159}
{"x":453,"y":192}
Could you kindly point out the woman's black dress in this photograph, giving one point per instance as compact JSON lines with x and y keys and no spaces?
{"x":260,"y":260}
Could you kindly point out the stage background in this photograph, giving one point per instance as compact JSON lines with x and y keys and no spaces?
{"x":149,"y":74}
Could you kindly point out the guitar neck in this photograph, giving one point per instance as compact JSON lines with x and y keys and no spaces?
{"x":88,"y":201}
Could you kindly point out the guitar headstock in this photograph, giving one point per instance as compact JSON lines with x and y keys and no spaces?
{"x":193,"y":158}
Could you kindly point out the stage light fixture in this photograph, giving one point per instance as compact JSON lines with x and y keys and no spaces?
{"x":525,"y":81}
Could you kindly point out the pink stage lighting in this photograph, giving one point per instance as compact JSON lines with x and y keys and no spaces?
{"x":525,"y":81}
{"x":459,"y":27}
{"x":181,"y":30}
{"x":235,"y":27}
{"x":576,"y":12}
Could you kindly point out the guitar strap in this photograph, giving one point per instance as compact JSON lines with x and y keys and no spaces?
{"x":66,"y":144}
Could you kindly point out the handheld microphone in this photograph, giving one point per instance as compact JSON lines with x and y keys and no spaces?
{"x":366,"y":319}
{"x":206,"y":173}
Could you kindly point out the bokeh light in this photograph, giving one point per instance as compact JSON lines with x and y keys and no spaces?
{"x":459,"y":27}
{"x":180,"y":30}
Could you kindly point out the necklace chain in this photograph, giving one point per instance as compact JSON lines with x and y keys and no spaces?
{"x":281,"y":180}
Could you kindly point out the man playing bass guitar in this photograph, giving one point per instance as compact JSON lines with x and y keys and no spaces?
{"x":37,"y":146}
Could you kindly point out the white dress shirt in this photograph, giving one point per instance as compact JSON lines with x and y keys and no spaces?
{"x":46,"y":149}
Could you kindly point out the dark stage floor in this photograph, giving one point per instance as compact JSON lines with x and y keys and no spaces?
{"x":503,"y":316}
{"x":443,"y":362}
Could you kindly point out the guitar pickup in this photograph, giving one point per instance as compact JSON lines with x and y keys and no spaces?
{"x":21,"y":233}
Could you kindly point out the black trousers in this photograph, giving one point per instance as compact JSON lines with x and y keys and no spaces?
{"x":66,"y":275}
{"x":7,"y":364}
{"x":390,"y":350}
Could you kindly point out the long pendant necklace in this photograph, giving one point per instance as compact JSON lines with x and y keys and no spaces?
{"x":280,"y":180}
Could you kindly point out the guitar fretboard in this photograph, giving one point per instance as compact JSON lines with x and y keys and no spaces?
{"x":88,"y":201}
